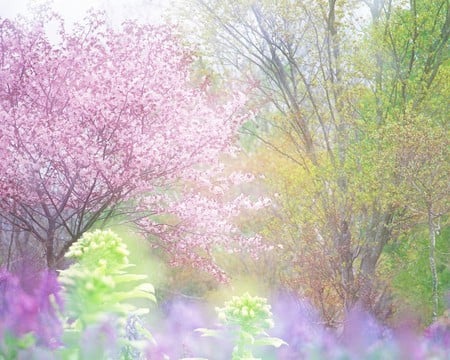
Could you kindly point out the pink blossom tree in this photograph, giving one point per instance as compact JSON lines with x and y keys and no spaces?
{"x":193,"y":223}
{"x":96,"y":119}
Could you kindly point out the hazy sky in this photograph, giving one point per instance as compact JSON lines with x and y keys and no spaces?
{"x":73,"y":10}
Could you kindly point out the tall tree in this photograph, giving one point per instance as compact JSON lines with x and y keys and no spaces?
{"x":328,"y":84}
{"x":295,"y":50}
{"x":409,"y":94}
{"x":94,"y":117}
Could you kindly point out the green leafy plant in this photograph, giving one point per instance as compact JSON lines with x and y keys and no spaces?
{"x":248,"y":317}
{"x":98,"y":287}
{"x":11,"y":344}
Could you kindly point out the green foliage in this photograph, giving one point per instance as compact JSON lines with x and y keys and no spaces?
{"x":354,"y":159}
{"x":98,"y":288}
{"x":408,"y":262}
{"x":248,"y":317}
{"x":11,"y":345}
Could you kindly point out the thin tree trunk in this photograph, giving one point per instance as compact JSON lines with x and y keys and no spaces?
{"x":11,"y":241}
{"x":434,"y":275}
{"x":10,"y":245}
{"x":49,"y":246}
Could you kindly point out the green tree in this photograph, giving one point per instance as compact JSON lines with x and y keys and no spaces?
{"x":330,"y":89}
{"x":408,"y":100}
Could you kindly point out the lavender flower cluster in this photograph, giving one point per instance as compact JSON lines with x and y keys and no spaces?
{"x":32,"y":327}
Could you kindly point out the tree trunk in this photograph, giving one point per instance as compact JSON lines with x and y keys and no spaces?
{"x":434,"y":277}
{"x":50,"y":245}
{"x":377,"y":236}
{"x":344,"y":248}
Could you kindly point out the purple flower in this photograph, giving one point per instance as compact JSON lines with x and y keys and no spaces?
{"x":438,"y":333}
{"x":32,"y":311}
{"x":100,"y":340}
{"x":175,"y":334}
{"x":297,"y":323}
{"x":361,"y":333}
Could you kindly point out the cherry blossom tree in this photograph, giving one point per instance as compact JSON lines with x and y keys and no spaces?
{"x":194,"y":222}
{"x":95,"y":117}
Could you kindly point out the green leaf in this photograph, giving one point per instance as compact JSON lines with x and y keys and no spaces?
{"x":130,"y":278}
{"x":209,"y":332}
{"x":147,"y":287}
{"x":145,"y":333}
{"x":26,"y":341}
{"x":270,"y":341}
{"x":134,"y":294}
{"x":247,"y":337}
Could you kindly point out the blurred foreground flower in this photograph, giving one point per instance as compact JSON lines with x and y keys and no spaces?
{"x":438,"y":334}
{"x":248,"y":317}
{"x":98,"y":291}
{"x":175,"y":336}
{"x":31,"y":318}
